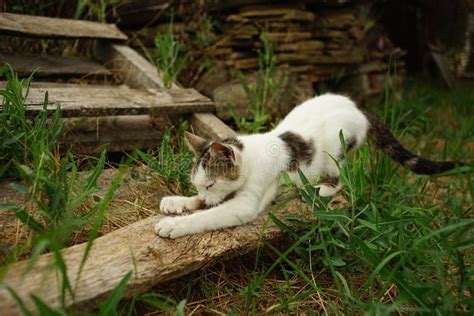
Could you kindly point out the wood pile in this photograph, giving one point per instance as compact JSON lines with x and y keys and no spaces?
{"x":319,"y":41}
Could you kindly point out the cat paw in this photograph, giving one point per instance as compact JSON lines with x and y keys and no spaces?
{"x":175,"y":204}
{"x":171,"y":227}
{"x":327,"y":190}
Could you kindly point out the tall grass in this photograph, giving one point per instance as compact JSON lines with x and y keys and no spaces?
{"x":262,"y":92}
{"x":172,"y":161}
{"x":396,"y":249}
{"x":170,"y":61}
{"x":58,"y":199}
{"x":22,"y":140}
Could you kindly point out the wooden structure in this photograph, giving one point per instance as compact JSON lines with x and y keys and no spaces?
{"x":119,"y":117}
{"x":131,"y":106}
{"x":326,"y":45}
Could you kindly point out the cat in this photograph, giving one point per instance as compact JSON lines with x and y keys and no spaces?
{"x":237,"y":178}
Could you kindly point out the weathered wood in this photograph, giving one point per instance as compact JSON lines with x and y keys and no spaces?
{"x":54,"y":66}
{"x":116,"y":100}
{"x":129,"y":66}
{"x":134,"y":248}
{"x":209,"y":126}
{"x":40,"y":26}
{"x":115,"y":133}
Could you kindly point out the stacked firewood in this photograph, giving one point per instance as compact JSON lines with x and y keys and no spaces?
{"x":315,"y":40}
{"x":315,"y":44}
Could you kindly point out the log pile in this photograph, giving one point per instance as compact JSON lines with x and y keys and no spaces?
{"x":319,"y":41}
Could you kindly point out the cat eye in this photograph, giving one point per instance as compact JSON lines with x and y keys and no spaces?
{"x":210,"y":185}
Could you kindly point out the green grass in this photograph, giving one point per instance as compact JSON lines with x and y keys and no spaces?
{"x":261,"y":93}
{"x":402,"y":245}
{"x":172,"y":162}
{"x":170,"y":61}
{"x":58,"y":201}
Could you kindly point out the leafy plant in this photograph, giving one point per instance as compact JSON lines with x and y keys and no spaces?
{"x":22,"y":140}
{"x":173,"y":162}
{"x":169,"y":61}
{"x":94,"y":10}
{"x":261,"y":93}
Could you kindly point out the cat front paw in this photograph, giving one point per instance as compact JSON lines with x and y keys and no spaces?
{"x":172,"y":227}
{"x":177,"y":204}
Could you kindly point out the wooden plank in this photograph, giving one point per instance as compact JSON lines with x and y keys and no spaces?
{"x":116,"y":100}
{"x":40,"y":26}
{"x":134,"y":248}
{"x":210,"y":126}
{"x":114,"y":133}
{"x":129,"y":66}
{"x":54,"y":66}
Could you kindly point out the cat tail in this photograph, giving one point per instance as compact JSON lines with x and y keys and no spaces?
{"x":385,"y":140}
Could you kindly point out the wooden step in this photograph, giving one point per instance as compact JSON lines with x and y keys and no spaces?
{"x":54,"y":66}
{"x":99,"y":100}
{"x":45,"y":27}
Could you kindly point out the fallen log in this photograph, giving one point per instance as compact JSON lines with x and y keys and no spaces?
{"x":134,"y":248}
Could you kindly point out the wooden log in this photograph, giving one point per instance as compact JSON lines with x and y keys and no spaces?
{"x":311,"y":45}
{"x":337,"y":20}
{"x":40,"y":26}
{"x":129,"y":66}
{"x":54,"y":66}
{"x":134,"y":248}
{"x":209,"y":126}
{"x":272,"y":14}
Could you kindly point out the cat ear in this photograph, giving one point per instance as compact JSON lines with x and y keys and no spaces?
{"x":195,"y":143}
{"x":218,"y":149}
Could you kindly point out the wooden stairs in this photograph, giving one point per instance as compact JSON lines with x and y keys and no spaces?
{"x":131,"y":114}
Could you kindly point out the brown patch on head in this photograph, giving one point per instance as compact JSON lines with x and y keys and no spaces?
{"x":329,"y":180}
{"x":233,"y":141}
{"x":218,"y":161}
{"x":300,"y":151}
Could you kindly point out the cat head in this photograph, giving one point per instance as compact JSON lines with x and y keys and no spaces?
{"x":218,"y":171}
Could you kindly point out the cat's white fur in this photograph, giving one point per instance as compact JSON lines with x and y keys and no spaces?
{"x":261,"y":162}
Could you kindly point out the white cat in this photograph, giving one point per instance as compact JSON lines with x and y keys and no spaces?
{"x":238,"y":177}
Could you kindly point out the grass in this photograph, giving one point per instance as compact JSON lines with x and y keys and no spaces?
{"x":170,"y":60}
{"x":261,"y":93}
{"x":402,"y":244}
{"x":58,"y":201}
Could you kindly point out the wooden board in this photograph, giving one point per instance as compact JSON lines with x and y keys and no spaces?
{"x":130,"y":66}
{"x":90,"y":100}
{"x":210,"y":126}
{"x":39,"y":26}
{"x":114,"y":133}
{"x":135,"y":248}
{"x":54,"y":66}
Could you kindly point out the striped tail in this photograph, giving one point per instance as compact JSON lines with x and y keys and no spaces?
{"x":385,"y":140}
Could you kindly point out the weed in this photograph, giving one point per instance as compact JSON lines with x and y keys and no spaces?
{"x":57,"y":197}
{"x":94,"y":10}
{"x":173,"y":163}
{"x":394,"y":242}
{"x":22,"y":140}
{"x":262,"y":92}
{"x":169,"y":62}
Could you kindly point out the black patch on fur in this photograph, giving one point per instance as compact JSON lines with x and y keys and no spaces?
{"x":233,"y":141}
{"x":350,"y":144}
{"x":300,"y":151}
{"x":203,"y":156}
{"x":332,"y":181}
{"x":384,"y":139}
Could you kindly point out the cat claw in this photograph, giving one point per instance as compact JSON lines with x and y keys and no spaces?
{"x":173,"y":205}
{"x":171,"y":227}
